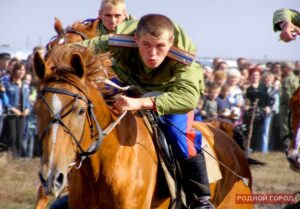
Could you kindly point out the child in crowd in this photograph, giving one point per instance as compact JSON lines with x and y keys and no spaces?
{"x":220,"y":77}
{"x":210,"y":106}
{"x":224,"y":107}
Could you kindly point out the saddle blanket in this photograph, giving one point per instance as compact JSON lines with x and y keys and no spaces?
{"x":212,"y":166}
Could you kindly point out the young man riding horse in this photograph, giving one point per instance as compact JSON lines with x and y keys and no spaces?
{"x":155,"y":54}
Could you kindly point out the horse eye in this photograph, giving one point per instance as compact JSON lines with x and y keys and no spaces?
{"x":82,"y":111}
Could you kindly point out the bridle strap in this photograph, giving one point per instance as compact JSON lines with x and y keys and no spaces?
{"x":62,"y":35}
{"x":70,"y":29}
{"x":57,"y":118}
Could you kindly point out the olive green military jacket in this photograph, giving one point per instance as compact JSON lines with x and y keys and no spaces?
{"x":179,"y":77}
{"x":285,"y":14}
{"x":289,"y":86}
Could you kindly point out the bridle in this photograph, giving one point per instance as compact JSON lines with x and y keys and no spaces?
{"x":62,"y":37}
{"x":57,"y":118}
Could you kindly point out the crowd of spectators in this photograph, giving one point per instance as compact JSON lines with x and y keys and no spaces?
{"x":17,"y":97}
{"x":252,"y":95}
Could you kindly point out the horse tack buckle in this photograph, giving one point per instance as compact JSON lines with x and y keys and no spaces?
{"x":74,"y":164}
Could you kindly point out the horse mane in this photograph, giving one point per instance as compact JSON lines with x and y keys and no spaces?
{"x":98,"y":66}
{"x":89,"y":28}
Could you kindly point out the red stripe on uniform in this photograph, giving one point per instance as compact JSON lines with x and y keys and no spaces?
{"x":190,"y":134}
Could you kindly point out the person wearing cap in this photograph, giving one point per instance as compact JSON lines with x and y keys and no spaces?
{"x":288,"y":22}
{"x":4,"y":60}
{"x":156,"y":55}
{"x":289,"y":84}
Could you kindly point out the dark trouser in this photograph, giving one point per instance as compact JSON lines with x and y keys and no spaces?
{"x":15,"y":128}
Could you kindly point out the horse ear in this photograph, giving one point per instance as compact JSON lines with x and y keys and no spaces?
{"x":77,"y":64}
{"x":58,"y":26}
{"x":40,"y":67}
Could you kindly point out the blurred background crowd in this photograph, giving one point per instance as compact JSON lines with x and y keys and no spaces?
{"x":17,"y":96}
{"x":253,"y":95}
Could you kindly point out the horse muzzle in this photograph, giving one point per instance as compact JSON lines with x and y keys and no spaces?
{"x":293,"y":156}
{"x":54,"y":184}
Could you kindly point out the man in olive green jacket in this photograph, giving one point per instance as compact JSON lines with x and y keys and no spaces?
{"x":156,"y":55}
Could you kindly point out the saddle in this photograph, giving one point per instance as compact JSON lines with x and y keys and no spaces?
{"x":168,"y":163}
{"x":171,"y":166}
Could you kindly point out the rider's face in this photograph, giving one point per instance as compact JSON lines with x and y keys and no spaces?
{"x":153,"y":50}
{"x":112,"y":16}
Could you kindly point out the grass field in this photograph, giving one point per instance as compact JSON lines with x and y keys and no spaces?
{"x":19,"y":180}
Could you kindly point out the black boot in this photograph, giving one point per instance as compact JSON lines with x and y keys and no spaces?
{"x":61,"y":203}
{"x":196,"y":183}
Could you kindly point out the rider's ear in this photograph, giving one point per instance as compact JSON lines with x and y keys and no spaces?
{"x":77,"y":64}
{"x":40,"y":66}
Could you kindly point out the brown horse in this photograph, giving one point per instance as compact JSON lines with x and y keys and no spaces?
{"x":77,"y":32}
{"x":293,"y":152}
{"x":117,"y":168}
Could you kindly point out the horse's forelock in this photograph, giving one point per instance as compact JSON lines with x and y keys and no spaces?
{"x":96,"y":65}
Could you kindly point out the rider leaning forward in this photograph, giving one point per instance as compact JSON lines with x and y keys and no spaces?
{"x":155,"y":54}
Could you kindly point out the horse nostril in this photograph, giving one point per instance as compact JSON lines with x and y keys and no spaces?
{"x":298,"y":158}
{"x":59,"y":180}
{"x":43,"y":180}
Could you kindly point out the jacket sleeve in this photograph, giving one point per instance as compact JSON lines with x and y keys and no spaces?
{"x":285,"y":14}
{"x":185,"y":92}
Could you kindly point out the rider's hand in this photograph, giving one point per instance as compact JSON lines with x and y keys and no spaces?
{"x":289,"y":31}
{"x":124,"y":103}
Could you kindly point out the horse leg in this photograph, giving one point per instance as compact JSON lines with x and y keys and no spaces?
{"x":42,"y":200}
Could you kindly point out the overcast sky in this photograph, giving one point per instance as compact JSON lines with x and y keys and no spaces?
{"x":225,"y":28}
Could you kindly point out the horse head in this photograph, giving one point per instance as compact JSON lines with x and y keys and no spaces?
{"x":293,"y":152}
{"x":78,"y":31}
{"x":67,"y":121}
